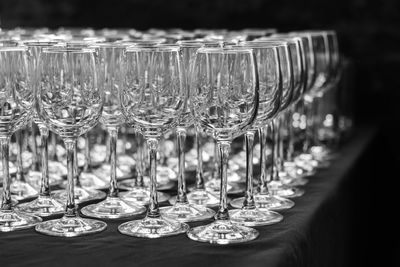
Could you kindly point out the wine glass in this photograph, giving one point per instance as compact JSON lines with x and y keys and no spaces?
{"x":289,"y":81}
{"x":269,"y":73}
{"x":153,"y":98}
{"x":69,"y":102}
{"x":271,"y":55}
{"x":45,"y":205}
{"x":109,"y":70}
{"x":182,"y":209}
{"x":16,"y":104}
{"x":224,"y":101}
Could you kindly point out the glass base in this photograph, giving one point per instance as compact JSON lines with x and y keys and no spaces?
{"x":153,"y":227}
{"x":296,"y":180}
{"x":112,"y":208}
{"x":89,"y":180}
{"x":254,"y":217}
{"x":222,"y":233}
{"x":22,"y":190}
{"x":11,"y":220}
{"x":282,"y":190}
{"x":70,"y":227}
{"x":185,"y":212}
{"x":130,"y":183}
{"x":214,"y":185}
{"x":201,"y":197}
{"x":265,"y":202}
{"x":81,"y":195}
{"x":34,"y":178}
{"x":141,"y":196}
{"x":42,"y":206}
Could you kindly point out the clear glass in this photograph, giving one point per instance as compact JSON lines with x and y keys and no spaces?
{"x":152,"y":99}
{"x":271,"y":67}
{"x":15,"y":110}
{"x":45,"y":205}
{"x":69,"y":102}
{"x":109,"y":71}
{"x":138,"y":192}
{"x":182,"y":209}
{"x":224,"y":102}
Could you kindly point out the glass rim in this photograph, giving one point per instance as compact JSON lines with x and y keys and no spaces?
{"x":109,"y":45}
{"x":223,"y":50}
{"x":40,"y":43}
{"x":69,"y":50}
{"x":269,"y":43}
{"x":18,"y":48}
{"x":155,"y":48}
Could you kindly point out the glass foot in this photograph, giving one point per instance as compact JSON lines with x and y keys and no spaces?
{"x":287,"y":179}
{"x":70,"y":226}
{"x":265,"y":202}
{"x":112,"y":208}
{"x":141,"y":196}
{"x":34,"y":178}
{"x":104,"y":172}
{"x":130,"y":183}
{"x":201,"y":197}
{"x":153,"y":227}
{"x":42,"y":206}
{"x":222,"y":233}
{"x":282,"y":190}
{"x":22,"y":190}
{"x":89,"y":180}
{"x":81,"y":195}
{"x":185,"y":212}
{"x":254,"y":217}
{"x":11,"y":220}
{"x":214,"y":185}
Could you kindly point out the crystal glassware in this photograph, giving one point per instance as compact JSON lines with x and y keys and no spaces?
{"x":16,"y":104}
{"x":152,"y":99}
{"x":69,"y":102}
{"x":110,"y":58}
{"x":224,"y":101}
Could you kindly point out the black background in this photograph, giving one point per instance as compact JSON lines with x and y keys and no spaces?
{"x":369,"y":33}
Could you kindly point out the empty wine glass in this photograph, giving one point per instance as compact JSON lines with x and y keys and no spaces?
{"x":45,"y":204}
{"x":269,"y":73}
{"x":224,"y":101}
{"x":69,"y":102}
{"x":110,"y":65}
{"x":182,"y":209}
{"x":153,"y":98}
{"x":271,"y":55}
{"x":16,"y":103}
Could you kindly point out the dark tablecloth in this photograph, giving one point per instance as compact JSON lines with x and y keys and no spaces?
{"x":318,"y":231}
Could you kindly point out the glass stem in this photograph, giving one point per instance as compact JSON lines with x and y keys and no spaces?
{"x":6,"y":197}
{"x":199,"y":167}
{"x":248,"y":195}
{"x":76,"y":166}
{"x":20,"y":172}
{"x":153,"y":211}
{"x":70,"y":209}
{"x":309,"y":124}
{"x":217,"y":168}
{"x":113,"y":132}
{"x":276,"y":144}
{"x":262,"y":133}
{"x":316,"y":120}
{"x":34,"y":145}
{"x":288,"y":125}
{"x":88,"y":161}
{"x":181,"y":137}
{"x":53,"y":140}
{"x":44,"y":183}
{"x":140,"y":164}
{"x":224,"y":149}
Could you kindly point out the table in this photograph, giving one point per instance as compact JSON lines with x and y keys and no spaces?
{"x":316,"y":232}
